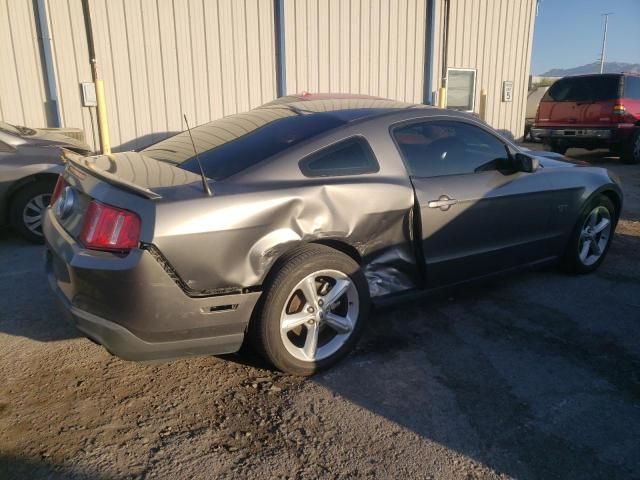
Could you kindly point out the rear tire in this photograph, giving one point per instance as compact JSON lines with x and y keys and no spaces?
{"x":631,"y":152}
{"x":27,"y":208}
{"x":554,"y":147}
{"x":591,"y":237}
{"x":290,"y":317}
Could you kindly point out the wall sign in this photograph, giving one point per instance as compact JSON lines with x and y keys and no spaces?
{"x":507,"y":91}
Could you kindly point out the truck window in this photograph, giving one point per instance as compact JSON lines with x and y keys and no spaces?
{"x":584,"y":89}
{"x":632,"y":88}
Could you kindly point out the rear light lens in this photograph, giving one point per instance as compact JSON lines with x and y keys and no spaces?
{"x":57,"y":191}
{"x":619,"y":109}
{"x":110,"y":228}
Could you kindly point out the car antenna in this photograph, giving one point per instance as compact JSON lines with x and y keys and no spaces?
{"x":205,"y":185}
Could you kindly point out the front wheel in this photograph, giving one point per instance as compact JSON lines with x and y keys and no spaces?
{"x":591,"y":237}
{"x":312,"y":311}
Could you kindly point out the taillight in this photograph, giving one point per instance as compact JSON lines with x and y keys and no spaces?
{"x":110,"y":228}
{"x":619,"y":109}
{"x":57,"y":191}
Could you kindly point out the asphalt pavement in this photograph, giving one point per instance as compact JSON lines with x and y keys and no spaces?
{"x":535,"y":375}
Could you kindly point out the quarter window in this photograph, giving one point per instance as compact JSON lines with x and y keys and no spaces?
{"x":433,"y":149}
{"x":632,"y":88}
{"x":349,"y":157}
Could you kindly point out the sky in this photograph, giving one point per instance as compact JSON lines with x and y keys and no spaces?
{"x":568,"y":33}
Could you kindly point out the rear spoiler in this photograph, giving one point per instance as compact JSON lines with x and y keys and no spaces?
{"x":87,"y":165}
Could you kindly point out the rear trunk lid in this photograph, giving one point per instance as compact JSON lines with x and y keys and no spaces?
{"x":133,"y":171}
{"x":128,"y":180}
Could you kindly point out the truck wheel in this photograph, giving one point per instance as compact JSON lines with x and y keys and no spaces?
{"x":591,"y":236}
{"x":312,"y":310}
{"x":27,"y":208}
{"x":556,"y":148}
{"x":631,"y":152}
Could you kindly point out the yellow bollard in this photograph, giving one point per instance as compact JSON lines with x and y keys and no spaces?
{"x":103,"y":126}
{"x":442,"y":97}
{"x":483,"y":105}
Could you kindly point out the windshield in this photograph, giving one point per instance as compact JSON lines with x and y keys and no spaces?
{"x":232,"y":144}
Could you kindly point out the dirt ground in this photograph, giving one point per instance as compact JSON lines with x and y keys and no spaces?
{"x":536,"y":375}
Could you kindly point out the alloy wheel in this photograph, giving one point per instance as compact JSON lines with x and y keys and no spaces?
{"x":594,"y":236}
{"x":319,"y":315}
{"x":33,"y":211}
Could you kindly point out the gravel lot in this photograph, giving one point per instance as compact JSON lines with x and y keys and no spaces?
{"x":531,"y":376}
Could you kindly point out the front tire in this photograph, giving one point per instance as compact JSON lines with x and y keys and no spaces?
{"x":312,"y":311}
{"x":27,"y":208}
{"x":591,"y":237}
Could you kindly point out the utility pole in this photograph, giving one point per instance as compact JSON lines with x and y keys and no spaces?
{"x":604,"y":40}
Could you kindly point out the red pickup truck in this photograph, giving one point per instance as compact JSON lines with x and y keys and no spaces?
{"x":592,"y":111}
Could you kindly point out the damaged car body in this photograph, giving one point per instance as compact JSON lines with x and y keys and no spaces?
{"x":318,"y":205}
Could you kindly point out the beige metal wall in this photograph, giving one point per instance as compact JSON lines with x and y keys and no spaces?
{"x":158,"y":59}
{"x":210,"y":58}
{"x":22,"y":92}
{"x":371,"y":47}
{"x":495,"y":38}
{"x":162,"y":58}
{"x":71,"y":64}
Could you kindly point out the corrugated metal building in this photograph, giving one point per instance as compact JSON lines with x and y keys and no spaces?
{"x":210,"y":58}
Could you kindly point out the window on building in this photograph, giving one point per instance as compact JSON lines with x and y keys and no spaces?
{"x":349,"y":157}
{"x":461,"y":89}
{"x":437,"y":148}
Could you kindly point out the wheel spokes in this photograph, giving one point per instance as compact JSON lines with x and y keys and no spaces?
{"x":311,"y":341}
{"x":604,"y":223}
{"x":310,"y":291}
{"x":584,"y":251}
{"x":293,"y":320}
{"x":338,"y":323}
{"x":337,"y":291}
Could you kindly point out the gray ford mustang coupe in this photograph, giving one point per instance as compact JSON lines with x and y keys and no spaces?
{"x":302,"y":213}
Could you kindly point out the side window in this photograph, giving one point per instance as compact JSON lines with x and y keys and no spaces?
{"x":632,"y":87}
{"x":349,"y":157}
{"x":560,"y":91}
{"x":433,"y":149}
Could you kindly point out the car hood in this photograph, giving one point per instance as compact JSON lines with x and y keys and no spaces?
{"x":554,"y":160}
{"x":48,"y":137}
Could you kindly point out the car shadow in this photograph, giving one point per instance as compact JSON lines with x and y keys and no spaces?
{"x":28,"y":307}
{"x":17,"y":468}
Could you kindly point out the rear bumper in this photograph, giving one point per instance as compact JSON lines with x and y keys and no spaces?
{"x":131,"y":306}
{"x":577,"y":136}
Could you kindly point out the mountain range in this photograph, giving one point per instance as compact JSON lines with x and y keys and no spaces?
{"x":609,"y":67}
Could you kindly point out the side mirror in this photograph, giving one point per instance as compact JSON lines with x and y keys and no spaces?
{"x":525,"y":163}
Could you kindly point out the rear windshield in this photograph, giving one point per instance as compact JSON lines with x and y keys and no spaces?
{"x":232,"y":144}
{"x":632,"y":88}
{"x":584,"y":89}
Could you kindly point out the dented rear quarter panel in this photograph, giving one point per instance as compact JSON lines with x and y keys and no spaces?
{"x":234,"y":238}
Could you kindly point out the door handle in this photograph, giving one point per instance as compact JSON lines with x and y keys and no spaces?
{"x":443,"y":203}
